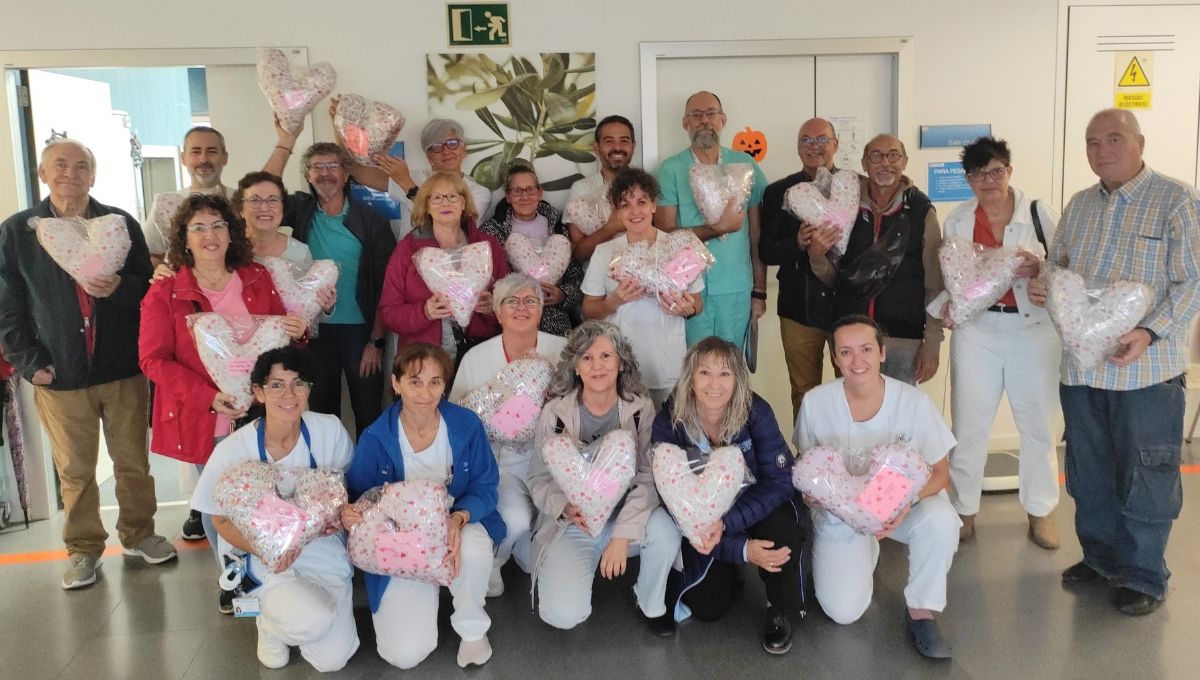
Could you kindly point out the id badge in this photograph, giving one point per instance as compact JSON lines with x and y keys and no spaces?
{"x":245,"y":607}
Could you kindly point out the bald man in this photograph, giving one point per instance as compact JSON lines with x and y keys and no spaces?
{"x":76,"y":340}
{"x":1124,"y":418}
{"x":890,"y":269}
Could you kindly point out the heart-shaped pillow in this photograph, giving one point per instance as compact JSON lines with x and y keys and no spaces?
{"x":714,"y":185}
{"x":510,"y":403}
{"x":976,"y":277}
{"x":166,"y":205}
{"x":1091,"y":323}
{"x":85,"y":248}
{"x":596,"y":482}
{"x":293,"y":91}
{"x":367,"y":127}
{"x":273,"y":521}
{"x":544,"y":263}
{"x":404,"y":532}
{"x":671,"y":264}
{"x":229,"y":345}
{"x":830,"y":200}
{"x":461,"y":275}
{"x":298,"y":288}
{"x":864,"y":489}
{"x":698,"y":498}
{"x":589,"y":212}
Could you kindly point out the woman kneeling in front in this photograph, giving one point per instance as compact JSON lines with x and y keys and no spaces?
{"x":307,"y":602}
{"x":423,"y":436}
{"x":860,"y":410}
{"x":712,"y":406}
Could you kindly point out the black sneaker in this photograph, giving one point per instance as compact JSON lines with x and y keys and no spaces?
{"x":777,"y":636}
{"x":193,"y":527}
{"x":661,"y":626}
{"x":225,"y":600}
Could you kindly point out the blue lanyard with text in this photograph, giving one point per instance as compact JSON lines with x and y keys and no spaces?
{"x":262,"y":442}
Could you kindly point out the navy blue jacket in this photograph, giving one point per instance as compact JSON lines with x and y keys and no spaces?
{"x":377,"y":461}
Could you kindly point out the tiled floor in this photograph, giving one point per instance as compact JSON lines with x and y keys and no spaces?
{"x":1009,"y":618}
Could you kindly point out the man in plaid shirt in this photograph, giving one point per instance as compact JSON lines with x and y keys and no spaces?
{"x":1124,"y":419}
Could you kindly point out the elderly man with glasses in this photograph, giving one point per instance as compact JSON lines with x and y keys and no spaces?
{"x":337,"y":227}
{"x":76,"y":341}
{"x":890,"y":269}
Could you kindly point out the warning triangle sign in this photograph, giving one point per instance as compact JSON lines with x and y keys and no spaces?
{"x":1134,"y":76}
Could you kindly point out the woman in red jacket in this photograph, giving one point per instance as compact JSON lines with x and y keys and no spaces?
{"x":443,"y":217}
{"x":217,"y":274}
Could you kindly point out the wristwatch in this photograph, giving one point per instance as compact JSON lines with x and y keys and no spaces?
{"x":379,"y":342}
{"x":412,"y":193}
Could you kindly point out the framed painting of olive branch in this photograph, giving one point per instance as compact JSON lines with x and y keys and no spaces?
{"x":537,"y":107}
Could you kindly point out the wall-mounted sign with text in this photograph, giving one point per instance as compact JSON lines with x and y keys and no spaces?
{"x":478,"y":25}
{"x":943,"y":136}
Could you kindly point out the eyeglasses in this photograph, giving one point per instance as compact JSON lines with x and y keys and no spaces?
{"x":820,"y":140}
{"x":514,"y":302}
{"x":994,"y":174}
{"x":259,"y":201}
{"x":201,"y":228}
{"x":525,"y":191}
{"x":707,"y":114}
{"x":451,"y":144}
{"x":438,"y":199}
{"x":877,"y":156}
{"x":328,"y":165}
{"x":276,"y":388}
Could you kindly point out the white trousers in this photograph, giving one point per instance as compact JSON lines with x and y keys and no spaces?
{"x":990,"y":356}
{"x":313,"y":614}
{"x":565,"y":576}
{"x":844,"y":561}
{"x":515,"y":506}
{"x":406,"y":625}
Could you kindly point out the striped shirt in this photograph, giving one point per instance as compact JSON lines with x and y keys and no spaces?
{"x":1147,"y":230}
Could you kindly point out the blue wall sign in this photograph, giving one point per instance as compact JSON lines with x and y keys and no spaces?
{"x":948,"y":182}
{"x":942,"y":136}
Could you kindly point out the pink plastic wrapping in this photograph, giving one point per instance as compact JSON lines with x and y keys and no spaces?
{"x":589,"y":212}
{"x":367,"y":127}
{"x":1091,"y":322}
{"x":698,"y":495}
{"x":544,"y":262}
{"x":461,"y":275}
{"x":671,"y":264}
{"x":404,"y":532}
{"x":830,"y":199}
{"x":298,"y":288}
{"x":85,"y":248}
{"x":976,"y":277}
{"x":229,"y":345}
{"x":866,"y":489}
{"x":293,"y":91}
{"x":595,"y":478}
{"x":274,"y":519}
{"x":510,"y":403}
{"x":714,"y":185}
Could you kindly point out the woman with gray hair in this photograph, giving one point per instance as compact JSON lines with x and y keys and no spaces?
{"x":713,"y":406}
{"x":597,"y":388}
{"x":517,"y":300}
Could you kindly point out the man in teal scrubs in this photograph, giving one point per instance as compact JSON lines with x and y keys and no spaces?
{"x":735,"y":288}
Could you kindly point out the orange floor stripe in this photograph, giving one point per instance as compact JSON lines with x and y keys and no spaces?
{"x":56,"y":555}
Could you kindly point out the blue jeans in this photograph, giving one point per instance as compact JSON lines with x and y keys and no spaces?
{"x":1123,"y":455}
{"x":338,"y":349}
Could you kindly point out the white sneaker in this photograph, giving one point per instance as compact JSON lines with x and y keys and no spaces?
{"x":82,"y":572}
{"x":475,"y":652}
{"x":495,"y":583}
{"x":154,"y":549}
{"x":271,"y":652}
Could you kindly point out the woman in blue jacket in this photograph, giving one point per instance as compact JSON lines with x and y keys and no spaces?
{"x":423,"y":436}
{"x":712,"y":406}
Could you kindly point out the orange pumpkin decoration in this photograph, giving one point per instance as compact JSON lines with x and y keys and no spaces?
{"x":753,"y":142}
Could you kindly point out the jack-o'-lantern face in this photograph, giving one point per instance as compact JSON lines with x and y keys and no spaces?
{"x":752,"y":142}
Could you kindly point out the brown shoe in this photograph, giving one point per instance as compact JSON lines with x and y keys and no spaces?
{"x":1043,"y":532}
{"x":967,"y":531}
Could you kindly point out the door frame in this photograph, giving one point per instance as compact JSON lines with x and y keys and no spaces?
{"x":900,"y":48}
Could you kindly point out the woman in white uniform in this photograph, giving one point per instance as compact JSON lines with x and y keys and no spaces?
{"x":863,"y":409}
{"x":517,"y":300}
{"x":423,"y":436}
{"x":307,"y":602}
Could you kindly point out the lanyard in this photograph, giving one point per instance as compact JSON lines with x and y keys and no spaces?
{"x":262,"y":442}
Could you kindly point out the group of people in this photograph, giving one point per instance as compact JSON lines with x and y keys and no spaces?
{"x":667,"y":367}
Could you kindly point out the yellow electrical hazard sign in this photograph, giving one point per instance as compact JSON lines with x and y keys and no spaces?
{"x":1133,"y":75}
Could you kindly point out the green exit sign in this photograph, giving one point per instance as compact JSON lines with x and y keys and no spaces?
{"x":478,"y":24}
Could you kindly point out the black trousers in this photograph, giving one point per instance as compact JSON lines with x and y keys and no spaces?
{"x":714,"y":595}
{"x":338,"y":349}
